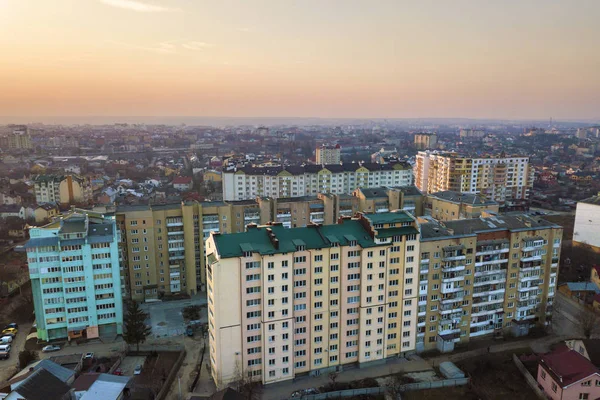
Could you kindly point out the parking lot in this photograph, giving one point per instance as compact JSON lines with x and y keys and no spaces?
{"x":129,"y":363}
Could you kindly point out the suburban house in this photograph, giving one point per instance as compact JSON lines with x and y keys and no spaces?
{"x":45,"y":212}
{"x":565,"y":374}
{"x":583,"y":292}
{"x":183,"y":183}
{"x":12,"y":210}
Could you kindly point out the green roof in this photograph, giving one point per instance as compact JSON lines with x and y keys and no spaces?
{"x":389,"y":217}
{"x":312,"y":237}
{"x":389,"y":232}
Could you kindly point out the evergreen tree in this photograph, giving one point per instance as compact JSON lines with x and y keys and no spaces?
{"x":136,"y":330}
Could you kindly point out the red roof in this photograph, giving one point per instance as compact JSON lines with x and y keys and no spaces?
{"x":567,"y":366}
{"x":182,"y":180}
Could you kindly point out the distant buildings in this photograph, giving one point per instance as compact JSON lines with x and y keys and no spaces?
{"x":75,"y":278}
{"x":63,"y":189}
{"x":183,"y":183}
{"x":328,"y":154}
{"x":471,"y":133}
{"x":425,"y":141}
{"x":506,"y":180}
{"x":304,"y":180}
{"x":587,"y":223}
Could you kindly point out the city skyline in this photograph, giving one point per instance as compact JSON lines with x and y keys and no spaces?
{"x":172,"y":58}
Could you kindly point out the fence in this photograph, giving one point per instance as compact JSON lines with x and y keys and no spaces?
{"x":528,"y":378}
{"x":382,"y":390}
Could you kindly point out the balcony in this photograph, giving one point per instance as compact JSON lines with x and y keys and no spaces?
{"x":177,"y":232}
{"x":489,"y":292}
{"x":252,"y":217}
{"x":455,"y":257}
{"x":453,"y":289}
{"x":495,"y":310}
{"x":489,"y":282}
{"x":174,"y":222}
{"x":453,"y":268}
{"x":448,"y":331}
{"x":492,"y":251}
{"x":530,"y":258}
{"x":452,"y":278}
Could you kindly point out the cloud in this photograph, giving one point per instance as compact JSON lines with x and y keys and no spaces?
{"x":196,"y":45}
{"x":134,"y":5}
{"x":166,"y":47}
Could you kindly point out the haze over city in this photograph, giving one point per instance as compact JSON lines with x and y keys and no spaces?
{"x":384,"y":59}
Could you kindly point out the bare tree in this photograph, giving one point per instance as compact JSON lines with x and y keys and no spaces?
{"x":249,"y":387}
{"x":588,"y":323}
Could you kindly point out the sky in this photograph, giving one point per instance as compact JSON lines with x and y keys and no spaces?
{"x":512,"y":59}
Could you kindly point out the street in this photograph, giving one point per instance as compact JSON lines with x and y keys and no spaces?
{"x":565,"y":316}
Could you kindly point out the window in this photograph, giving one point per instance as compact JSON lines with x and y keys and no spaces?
{"x":554,"y":387}
{"x":584,"y":396}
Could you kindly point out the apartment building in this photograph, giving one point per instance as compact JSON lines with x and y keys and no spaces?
{"x":308,"y":180}
{"x":312,"y":299}
{"x":450,"y":205}
{"x":17,"y":138}
{"x":328,"y":154}
{"x":424,"y":141}
{"x":75,"y":278}
{"x":506,"y":180}
{"x":64,"y":189}
{"x":485,"y":276}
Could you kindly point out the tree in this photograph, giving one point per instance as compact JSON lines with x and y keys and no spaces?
{"x":588,"y":322}
{"x":26,"y":357}
{"x":136,"y":330}
{"x":244,"y":384}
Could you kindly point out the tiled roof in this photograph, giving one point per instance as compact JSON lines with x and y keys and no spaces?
{"x":567,"y":366}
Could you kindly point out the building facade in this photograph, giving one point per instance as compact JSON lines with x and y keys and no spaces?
{"x":311,"y":299}
{"x":69,"y":189}
{"x":292,"y":181}
{"x":485,"y":276}
{"x":327,"y":154}
{"x":506,"y":180}
{"x":75,"y":278}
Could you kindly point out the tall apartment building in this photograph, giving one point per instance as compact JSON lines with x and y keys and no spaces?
{"x":64,"y":189}
{"x":506,"y":180}
{"x":328,"y":154}
{"x":384,"y":199}
{"x":162,"y":247}
{"x":424,"y":141}
{"x":471,"y":133}
{"x":587,"y":219}
{"x":75,"y":278}
{"x":17,"y":138}
{"x":450,"y":205}
{"x":485,"y":276}
{"x":305,"y":180}
{"x":311,"y":299}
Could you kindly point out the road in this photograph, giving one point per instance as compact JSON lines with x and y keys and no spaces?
{"x":9,"y":367}
{"x":565,"y":316}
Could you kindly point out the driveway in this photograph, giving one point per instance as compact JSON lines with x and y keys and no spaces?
{"x":130,"y":362}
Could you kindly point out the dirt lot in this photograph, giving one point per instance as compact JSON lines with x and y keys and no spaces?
{"x":154,"y":371}
{"x":495,"y":376}
{"x":128,"y":364}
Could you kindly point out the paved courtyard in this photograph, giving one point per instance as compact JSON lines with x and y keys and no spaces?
{"x":166,"y":317}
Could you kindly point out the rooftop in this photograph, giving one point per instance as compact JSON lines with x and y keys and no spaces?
{"x":106,"y":387}
{"x":567,"y":366}
{"x":464,"y":198}
{"x":42,"y":385}
{"x":392,"y":217}
{"x":521,"y":222}
{"x":592,"y":200}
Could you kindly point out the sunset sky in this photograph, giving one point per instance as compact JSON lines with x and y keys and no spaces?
{"x":304,"y":58}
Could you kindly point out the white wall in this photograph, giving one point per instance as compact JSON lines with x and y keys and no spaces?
{"x":587,"y":224}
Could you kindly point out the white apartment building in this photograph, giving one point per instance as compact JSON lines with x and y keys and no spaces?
{"x":327,"y":154}
{"x":587,"y":222}
{"x":308,"y":180}
{"x":507,"y":180}
{"x":309,"y":300}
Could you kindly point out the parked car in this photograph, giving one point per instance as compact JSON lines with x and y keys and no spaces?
{"x":137,"y":370}
{"x":13,"y":331}
{"x":12,"y":325}
{"x":6,"y":339}
{"x":4,"y":355}
{"x":118,"y":371}
{"x":88,"y":356}
{"x":50,"y":347}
